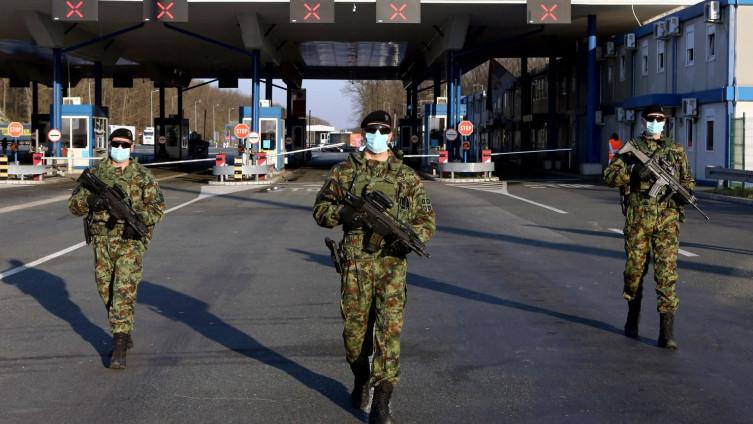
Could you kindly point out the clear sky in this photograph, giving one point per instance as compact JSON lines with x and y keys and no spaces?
{"x":325,"y":99}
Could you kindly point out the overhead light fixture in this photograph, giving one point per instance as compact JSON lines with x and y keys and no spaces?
{"x":354,"y":7}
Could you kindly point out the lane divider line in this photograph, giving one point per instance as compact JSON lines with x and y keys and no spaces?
{"x":680,"y":251}
{"x":206,"y":192}
{"x":61,"y":198}
{"x":501,"y":188}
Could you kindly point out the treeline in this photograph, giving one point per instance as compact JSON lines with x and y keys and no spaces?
{"x":207,"y":108}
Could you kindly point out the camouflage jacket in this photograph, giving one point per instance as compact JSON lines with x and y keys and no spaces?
{"x":143,"y":193}
{"x":618,"y":173}
{"x":411,"y":203}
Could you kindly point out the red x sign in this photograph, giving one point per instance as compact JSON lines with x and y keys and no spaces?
{"x":312,"y":11}
{"x":74,"y":9}
{"x":398,"y":11}
{"x":164,"y":10}
{"x":549,"y":12}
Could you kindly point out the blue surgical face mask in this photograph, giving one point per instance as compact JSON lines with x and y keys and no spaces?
{"x":377,"y":143}
{"x":654,"y":128}
{"x":120,"y":154}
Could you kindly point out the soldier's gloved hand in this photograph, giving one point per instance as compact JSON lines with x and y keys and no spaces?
{"x":399,"y":249}
{"x":95,"y":203}
{"x":641,"y":171}
{"x":351,"y":218}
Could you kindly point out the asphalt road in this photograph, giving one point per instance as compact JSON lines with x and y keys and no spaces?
{"x":517,"y":317}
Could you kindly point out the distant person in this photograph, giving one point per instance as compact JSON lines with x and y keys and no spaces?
{"x":119,"y":251}
{"x":652,"y":224}
{"x":14,"y":150}
{"x":373,"y":278}
{"x":614,"y":145}
{"x":5,"y":145}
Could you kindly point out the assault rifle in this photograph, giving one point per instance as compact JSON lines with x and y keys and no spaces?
{"x":664,"y":175}
{"x":115,"y":202}
{"x":374,"y":208}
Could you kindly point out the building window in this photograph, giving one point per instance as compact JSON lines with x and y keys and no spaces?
{"x":689,"y":133}
{"x":710,"y":42}
{"x":689,"y":45}
{"x":623,"y":61}
{"x":644,"y":57}
{"x":709,"y":135}
{"x":609,"y":74}
{"x":660,"y":56}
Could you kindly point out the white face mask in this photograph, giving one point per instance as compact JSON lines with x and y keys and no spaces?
{"x":119,"y":154}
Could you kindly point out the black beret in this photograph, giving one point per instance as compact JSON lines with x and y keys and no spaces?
{"x":378,"y":117}
{"x":122,"y":133}
{"x":653,"y":109}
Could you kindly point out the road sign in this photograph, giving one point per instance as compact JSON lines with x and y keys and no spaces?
{"x":465,"y":128}
{"x":466,"y":145}
{"x":312,"y":11}
{"x":414,"y":139}
{"x":549,"y":11}
{"x":165,"y":10}
{"x":398,"y":11}
{"x":241,"y":130}
{"x":54,"y":135}
{"x":15,"y":129}
{"x":75,"y":10}
{"x":450,"y":134}
{"x":253,"y":137}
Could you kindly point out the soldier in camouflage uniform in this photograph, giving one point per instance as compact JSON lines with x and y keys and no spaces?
{"x":373,"y":284}
{"x":117,"y":254}
{"x":652,"y":224}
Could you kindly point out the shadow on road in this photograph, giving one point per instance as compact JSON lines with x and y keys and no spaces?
{"x":462,"y":292}
{"x":195,"y":314}
{"x":50,"y":292}
{"x":590,"y":250}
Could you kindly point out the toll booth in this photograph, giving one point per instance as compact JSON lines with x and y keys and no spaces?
{"x":434,"y":125}
{"x":84,"y":133}
{"x":406,"y":129}
{"x":271,"y":130}
{"x":176,"y":134}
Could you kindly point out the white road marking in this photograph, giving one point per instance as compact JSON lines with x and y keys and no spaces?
{"x":680,"y":251}
{"x":60,"y":198}
{"x":206,"y":192}
{"x":501,"y":188}
{"x":34,"y":204}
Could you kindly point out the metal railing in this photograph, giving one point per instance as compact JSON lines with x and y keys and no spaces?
{"x":726,"y":174}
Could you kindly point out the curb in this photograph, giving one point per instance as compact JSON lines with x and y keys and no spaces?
{"x":430,"y":177}
{"x":724,"y":198}
{"x":274,"y":180}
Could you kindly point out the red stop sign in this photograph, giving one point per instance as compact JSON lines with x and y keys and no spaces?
{"x":15,"y":129}
{"x":465,"y":128}
{"x":241,"y":130}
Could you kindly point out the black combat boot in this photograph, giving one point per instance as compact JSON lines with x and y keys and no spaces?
{"x":380,"y":406}
{"x":129,"y":341}
{"x":119,"y":348}
{"x":359,"y":397}
{"x":666,"y":335}
{"x":633,"y":317}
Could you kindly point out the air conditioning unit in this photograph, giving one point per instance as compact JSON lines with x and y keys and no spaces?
{"x":71,"y":100}
{"x":673,"y":26}
{"x":610,"y":50}
{"x":660,"y":30}
{"x":690,"y":107}
{"x":630,"y":41}
{"x":620,"y":114}
{"x":265,"y":103}
{"x":629,"y":115}
{"x":441,"y":100}
{"x":599,"y":118}
{"x":712,"y":11}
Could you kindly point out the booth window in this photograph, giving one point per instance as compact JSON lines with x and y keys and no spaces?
{"x":79,"y":133}
{"x":710,"y":42}
{"x":689,"y":45}
{"x":660,"y":56}
{"x":268,"y":134}
{"x":709,"y":135}
{"x":689,"y":131}
{"x":622,"y":66}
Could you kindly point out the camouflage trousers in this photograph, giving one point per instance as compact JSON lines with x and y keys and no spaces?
{"x":117,"y":271}
{"x":374,"y":287}
{"x":648,"y":229}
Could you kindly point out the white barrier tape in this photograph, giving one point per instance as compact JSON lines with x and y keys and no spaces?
{"x":177,"y":161}
{"x":531,"y":151}
{"x":67,"y":158}
{"x":305,"y":150}
{"x":420,"y":156}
